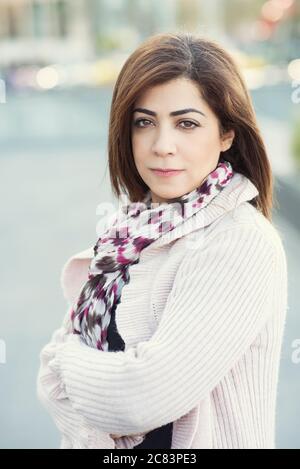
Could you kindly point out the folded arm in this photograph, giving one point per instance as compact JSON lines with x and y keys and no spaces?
{"x":219,"y":302}
{"x":75,"y":429}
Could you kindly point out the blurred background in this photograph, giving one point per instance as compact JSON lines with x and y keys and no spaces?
{"x":59,"y":60}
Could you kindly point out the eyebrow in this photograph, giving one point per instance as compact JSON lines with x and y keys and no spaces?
{"x":174,"y":113}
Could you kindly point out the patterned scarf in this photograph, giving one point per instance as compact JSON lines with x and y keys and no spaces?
{"x":136,"y":226}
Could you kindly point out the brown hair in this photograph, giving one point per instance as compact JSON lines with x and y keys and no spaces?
{"x":167,"y":56}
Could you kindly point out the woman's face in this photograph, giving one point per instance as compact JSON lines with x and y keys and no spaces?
{"x":189,"y":140}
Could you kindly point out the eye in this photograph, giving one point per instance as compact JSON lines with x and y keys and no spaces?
{"x":191,"y":126}
{"x":137,"y":122}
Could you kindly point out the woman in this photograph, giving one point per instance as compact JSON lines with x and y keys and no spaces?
{"x":187,"y":285}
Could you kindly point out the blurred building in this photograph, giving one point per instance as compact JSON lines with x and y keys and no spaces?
{"x":43,"y":31}
{"x":63,"y":31}
{"x":51,"y":31}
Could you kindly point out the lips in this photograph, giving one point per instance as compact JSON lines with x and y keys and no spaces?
{"x":168,"y":172}
{"x":166,"y":169}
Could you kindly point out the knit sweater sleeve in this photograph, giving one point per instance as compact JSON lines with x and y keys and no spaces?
{"x":220,"y":300}
{"x":76,"y":432}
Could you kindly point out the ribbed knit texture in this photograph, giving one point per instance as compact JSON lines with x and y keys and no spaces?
{"x":203,"y":320}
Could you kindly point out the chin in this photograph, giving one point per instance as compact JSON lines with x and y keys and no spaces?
{"x":165,"y":196}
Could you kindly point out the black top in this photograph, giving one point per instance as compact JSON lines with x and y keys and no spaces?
{"x":161,"y":437}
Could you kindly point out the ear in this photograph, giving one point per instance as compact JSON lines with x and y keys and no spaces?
{"x":227,"y":139}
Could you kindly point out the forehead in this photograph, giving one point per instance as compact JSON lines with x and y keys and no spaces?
{"x":177,"y":92}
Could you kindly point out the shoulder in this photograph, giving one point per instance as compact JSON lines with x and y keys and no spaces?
{"x":247,"y":219}
{"x":238,"y":235}
{"x":74,"y":273}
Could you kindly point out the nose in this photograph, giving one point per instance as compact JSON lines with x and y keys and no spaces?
{"x":164,"y":143}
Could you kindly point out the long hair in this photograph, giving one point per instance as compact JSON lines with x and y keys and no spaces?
{"x":168,"y":56}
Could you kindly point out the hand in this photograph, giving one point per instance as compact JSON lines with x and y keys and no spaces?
{"x":72,"y":425}
{"x":76,"y":431}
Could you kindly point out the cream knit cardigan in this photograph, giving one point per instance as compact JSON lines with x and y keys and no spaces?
{"x":203,"y":319}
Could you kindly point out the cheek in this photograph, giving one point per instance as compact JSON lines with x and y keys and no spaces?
{"x":139,"y":145}
{"x":202,"y":153}
{"x":205,"y":144}
{"x":212,"y":138}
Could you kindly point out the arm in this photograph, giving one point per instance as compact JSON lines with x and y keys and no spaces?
{"x":219,"y":302}
{"x":75,"y":430}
